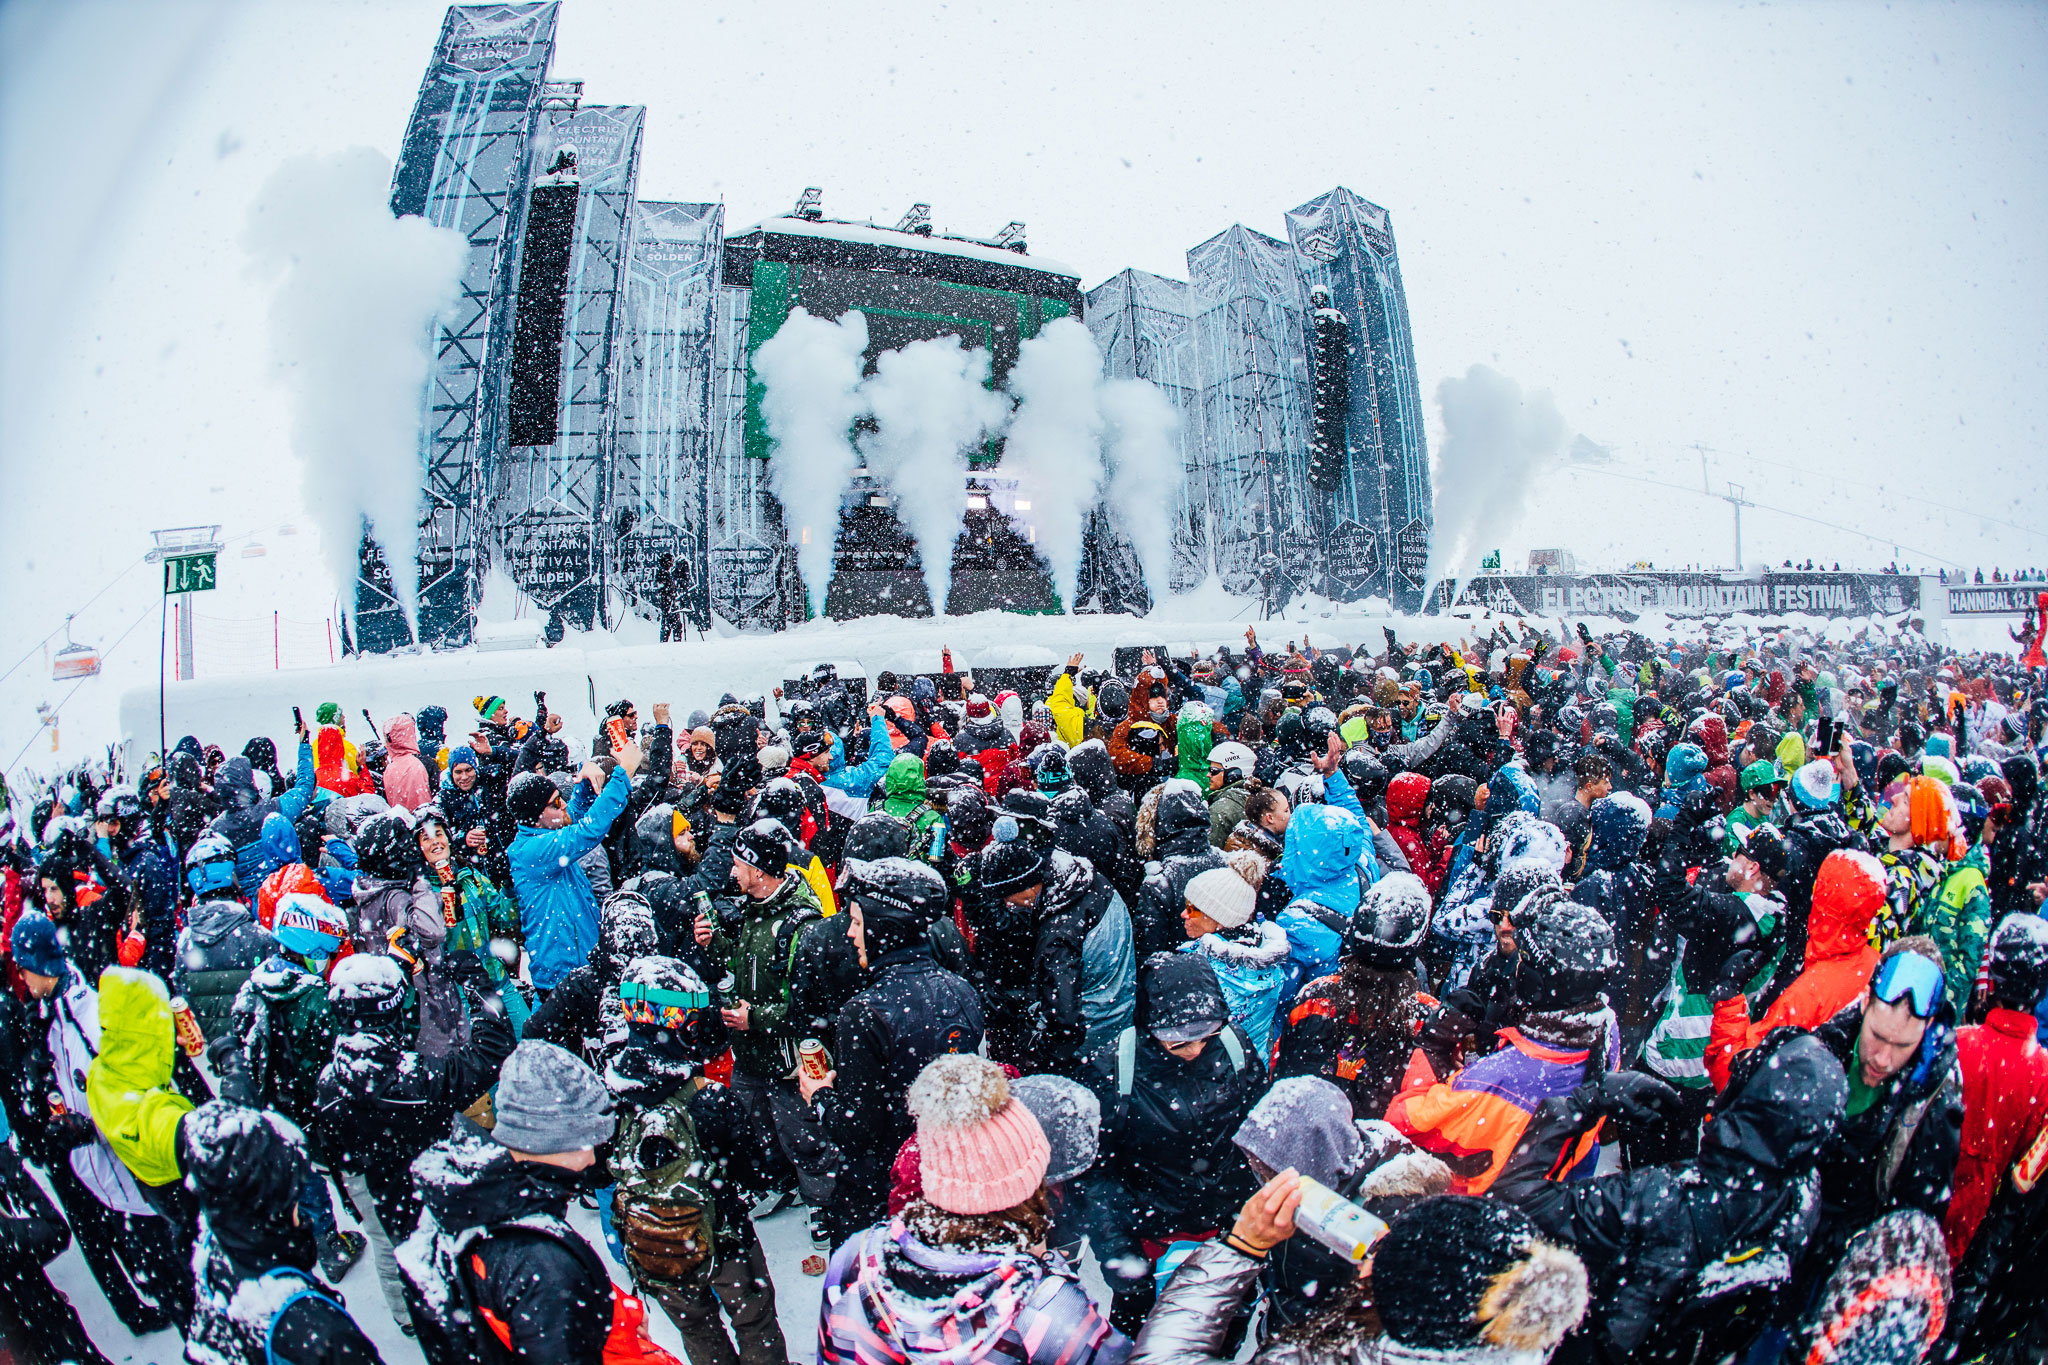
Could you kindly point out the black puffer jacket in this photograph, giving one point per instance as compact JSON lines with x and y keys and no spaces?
{"x":1675,"y":1253}
{"x":1166,"y":1145}
{"x":1027,"y":962}
{"x":1181,"y":847}
{"x":1086,"y":832}
{"x":539,"y":1281}
{"x":1095,"y":773}
{"x":1926,"y":1096}
{"x":381,"y":1104}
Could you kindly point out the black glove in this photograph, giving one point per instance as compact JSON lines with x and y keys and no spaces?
{"x":67,"y":1131}
{"x":1585,"y":636}
{"x":1735,"y":974}
{"x":1637,"y":1099}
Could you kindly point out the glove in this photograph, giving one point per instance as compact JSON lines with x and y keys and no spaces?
{"x":67,"y":1131}
{"x":405,"y":946}
{"x":1735,"y":974}
{"x":1639,"y":1100}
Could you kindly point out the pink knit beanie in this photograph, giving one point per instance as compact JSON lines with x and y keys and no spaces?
{"x":981,"y":1151}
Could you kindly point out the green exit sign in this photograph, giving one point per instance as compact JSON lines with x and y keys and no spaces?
{"x":190,"y":573}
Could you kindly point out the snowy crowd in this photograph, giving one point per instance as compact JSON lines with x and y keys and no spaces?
{"x":1548,"y":996}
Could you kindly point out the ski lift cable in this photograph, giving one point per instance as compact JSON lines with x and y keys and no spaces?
{"x":1766,"y":507}
{"x":67,"y":618}
{"x":59,"y":707}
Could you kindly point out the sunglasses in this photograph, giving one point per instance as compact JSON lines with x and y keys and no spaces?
{"x":1910,"y":976}
{"x":658,"y":1007}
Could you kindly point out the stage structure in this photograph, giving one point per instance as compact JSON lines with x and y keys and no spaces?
{"x":593,"y":426}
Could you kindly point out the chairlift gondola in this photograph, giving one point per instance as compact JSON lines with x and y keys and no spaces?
{"x":74,"y":660}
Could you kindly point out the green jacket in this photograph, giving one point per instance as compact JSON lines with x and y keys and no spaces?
{"x":1194,"y":737}
{"x":1226,"y":808}
{"x":128,"y":1087}
{"x":761,"y":954}
{"x":1958,"y":918}
{"x":903,"y":795}
{"x":287,"y":1033}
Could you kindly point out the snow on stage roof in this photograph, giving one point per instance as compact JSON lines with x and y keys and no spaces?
{"x":869,"y":234}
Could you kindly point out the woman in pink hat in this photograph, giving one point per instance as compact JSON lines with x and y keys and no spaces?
{"x":963,"y":1274}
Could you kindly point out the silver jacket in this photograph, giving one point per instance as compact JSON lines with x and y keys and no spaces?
{"x":1193,"y":1315}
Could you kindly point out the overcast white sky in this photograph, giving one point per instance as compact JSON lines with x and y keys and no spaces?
{"x":1807,"y":237}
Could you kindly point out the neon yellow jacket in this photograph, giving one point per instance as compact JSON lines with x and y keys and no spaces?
{"x":128,"y":1087}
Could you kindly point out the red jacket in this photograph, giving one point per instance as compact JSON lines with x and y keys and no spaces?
{"x":1839,"y":963}
{"x":1428,"y":855}
{"x":2005,"y":1106}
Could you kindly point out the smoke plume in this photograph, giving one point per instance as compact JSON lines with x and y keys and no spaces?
{"x":810,"y":371}
{"x":352,"y":331}
{"x":1145,"y":473}
{"x":1497,"y":442}
{"x":931,"y":402}
{"x":1055,"y":444}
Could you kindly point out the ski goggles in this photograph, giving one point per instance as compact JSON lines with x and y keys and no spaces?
{"x":658,"y":1007}
{"x":1909,"y":976}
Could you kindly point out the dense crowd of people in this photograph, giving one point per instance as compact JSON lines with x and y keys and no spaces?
{"x":1643,"y":1001}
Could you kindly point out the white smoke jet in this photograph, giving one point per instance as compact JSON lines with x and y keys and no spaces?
{"x":1145,"y":473}
{"x":931,"y":402}
{"x":1055,"y":444}
{"x":1497,"y":442}
{"x":810,"y":371}
{"x":352,"y":334}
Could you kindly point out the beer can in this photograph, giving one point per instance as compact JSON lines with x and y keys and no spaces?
{"x":189,"y":1036}
{"x":1336,"y":1222}
{"x":811,"y":1055}
{"x":616,"y":728}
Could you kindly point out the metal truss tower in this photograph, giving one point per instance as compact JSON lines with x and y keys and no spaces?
{"x":550,"y":505}
{"x":463,"y":166}
{"x":748,"y":560}
{"x":662,"y":460}
{"x":1250,"y":341}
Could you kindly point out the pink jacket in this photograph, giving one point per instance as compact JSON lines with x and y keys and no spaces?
{"x":405,"y":776}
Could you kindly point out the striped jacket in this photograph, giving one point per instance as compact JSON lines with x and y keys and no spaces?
{"x":1474,"y":1119}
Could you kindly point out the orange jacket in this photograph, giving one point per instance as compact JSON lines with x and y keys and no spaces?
{"x":1839,"y":962}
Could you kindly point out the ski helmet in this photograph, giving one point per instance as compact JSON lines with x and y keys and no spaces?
{"x":210,"y":866}
{"x":1236,"y":760}
{"x":660,"y":994}
{"x":2018,"y":963}
{"x":368,"y":990}
{"x":1392,"y":917}
{"x":309,"y":928}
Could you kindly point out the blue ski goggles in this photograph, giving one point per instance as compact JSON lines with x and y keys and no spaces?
{"x":660,"y":1008}
{"x":1909,"y":976}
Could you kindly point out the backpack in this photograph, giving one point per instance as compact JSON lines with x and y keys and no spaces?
{"x":308,"y":1290}
{"x":666,"y":1215}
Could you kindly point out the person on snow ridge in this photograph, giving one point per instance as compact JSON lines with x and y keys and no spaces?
{"x":910,"y":1011}
{"x":1174,"y":1088}
{"x":494,"y":1271}
{"x":1358,"y":1026}
{"x":135,"y":1255}
{"x":261,"y":1299}
{"x":381,"y":1101}
{"x":683,"y":1150}
{"x":1182,"y":850}
{"x":960,"y":1270}
{"x":557,"y":908}
{"x":280,"y":1037}
{"x":1662,"y":1244}
{"x":1248,"y":956}
{"x":1053,"y":957}
{"x":241,"y":822}
{"x":1838,"y":964}
{"x":1455,"y":1280}
{"x":1564,"y":957}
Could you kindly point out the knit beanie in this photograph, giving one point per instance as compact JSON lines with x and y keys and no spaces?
{"x":528,"y":796}
{"x":1223,"y":895}
{"x":328,"y":713}
{"x":2017,"y":962}
{"x":1565,"y":952}
{"x":1071,"y":1118}
{"x":549,"y":1101}
{"x":1815,"y":785}
{"x":486,"y":705}
{"x":1455,"y":1272}
{"x":981,"y":1151}
{"x":1888,"y":1297}
{"x":35,"y":944}
{"x":1011,"y":861}
{"x":978,"y":707}
{"x":460,"y":755}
